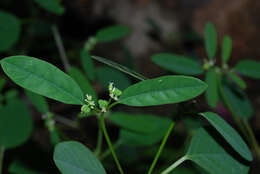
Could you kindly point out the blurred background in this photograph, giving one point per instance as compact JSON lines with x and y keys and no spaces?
{"x":172,"y":26}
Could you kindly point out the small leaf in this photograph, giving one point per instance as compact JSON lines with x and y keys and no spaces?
{"x":205,"y":151}
{"x":42,"y":78}
{"x":162,"y":90}
{"x":212,"y":90}
{"x":239,"y":81}
{"x":177,"y":64}
{"x":230,"y":135}
{"x":38,"y":101}
{"x":226,"y":49}
{"x":145,"y":124}
{"x":210,"y":40}
{"x":112,"y":33}
{"x":249,"y":68}
{"x":15,"y":124}
{"x":83,"y":82}
{"x":107,"y":74}
{"x":87,"y":64}
{"x":52,"y":6}
{"x":10,"y":28}
{"x":73,"y":157}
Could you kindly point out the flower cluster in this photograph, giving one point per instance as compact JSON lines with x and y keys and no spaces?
{"x":103,"y":104}
{"x":114,"y":93}
{"x":90,"y":104}
{"x":49,"y":121}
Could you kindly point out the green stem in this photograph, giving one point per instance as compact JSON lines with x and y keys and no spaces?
{"x":103,"y":126}
{"x":174,"y":165}
{"x":108,"y":151}
{"x":2,"y":150}
{"x":161,"y":148}
{"x":254,"y":142}
{"x":99,"y":140}
{"x":60,"y":47}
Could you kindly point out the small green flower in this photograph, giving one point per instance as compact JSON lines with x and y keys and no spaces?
{"x":85,"y":109}
{"x":89,"y":101}
{"x":103,"y":104}
{"x":114,"y":93}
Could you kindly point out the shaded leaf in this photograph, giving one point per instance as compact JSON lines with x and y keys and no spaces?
{"x":73,"y":157}
{"x":10,"y":28}
{"x":239,"y":81}
{"x":15,"y":129}
{"x":87,"y":64}
{"x":18,"y":167}
{"x":249,"y":68}
{"x":210,"y":37}
{"x":162,"y":90}
{"x":177,"y":64}
{"x":112,"y":33}
{"x":230,"y":135}
{"x":226,"y":49}
{"x":205,"y":151}
{"x":38,"y":101}
{"x":52,"y":6}
{"x":2,"y":83}
{"x":42,"y":78}
{"x":212,"y":90}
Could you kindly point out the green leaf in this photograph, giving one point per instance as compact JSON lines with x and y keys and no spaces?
{"x":177,"y":64}
{"x":107,"y":74}
{"x":112,"y":33}
{"x":230,"y":135}
{"x":234,"y":99}
{"x":38,"y":101}
{"x":210,"y":40}
{"x":10,"y":95}
{"x":52,"y":6}
{"x":249,"y":68}
{"x":73,"y":157}
{"x":18,"y":167}
{"x":162,"y":90}
{"x":83,"y":82}
{"x":42,"y":78}
{"x":239,"y":81}
{"x":2,"y":83}
{"x":205,"y":151}
{"x":87,"y":64}
{"x":145,"y":124}
{"x":10,"y":28}
{"x":15,"y":124}
{"x":226,"y":49}
{"x":212,"y":90}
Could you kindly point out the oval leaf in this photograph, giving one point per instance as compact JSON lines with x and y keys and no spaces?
{"x":38,"y":101}
{"x":87,"y":64}
{"x":226,"y":49}
{"x":162,"y":90}
{"x":210,"y":40}
{"x":42,"y":78}
{"x":212,"y":90}
{"x":112,"y":33}
{"x":208,"y":154}
{"x":52,"y":6}
{"x":73,"y":157}
{"x":178,"y":64}
{"x":249,"y":68}
{"x":230,"y":135}
{"x":10,"y":27}
{"x":239,"y":81}
{"x":15,"y":124}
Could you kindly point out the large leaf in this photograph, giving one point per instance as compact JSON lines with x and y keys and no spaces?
{"x":38,"y":101}
{"x":212,"y":90}
{"x":205,"y":151}
{"x":73,"y":157}
{"x":15,"y":124}
{"x":112,"y":33}
{"x":10,"y":27}
{"x":249,"y":68}
{"x":42,"y":78}
{"x":87,"y":64}
{"x":230,"y":135}
{"x":177,"y":64}
{"x":236,"y":100}
{"x":107,"y":74}
{"x":162,"y":90}
{"x":226,"y":49}
{"x":210,"y":37}
{"x":52,"y":6}
{"x":83,"y":82}
{"x":145,"y":124}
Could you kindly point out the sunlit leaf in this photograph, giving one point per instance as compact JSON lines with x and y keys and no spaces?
{"x":162,"y":90}
{"x":42,"y":78}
